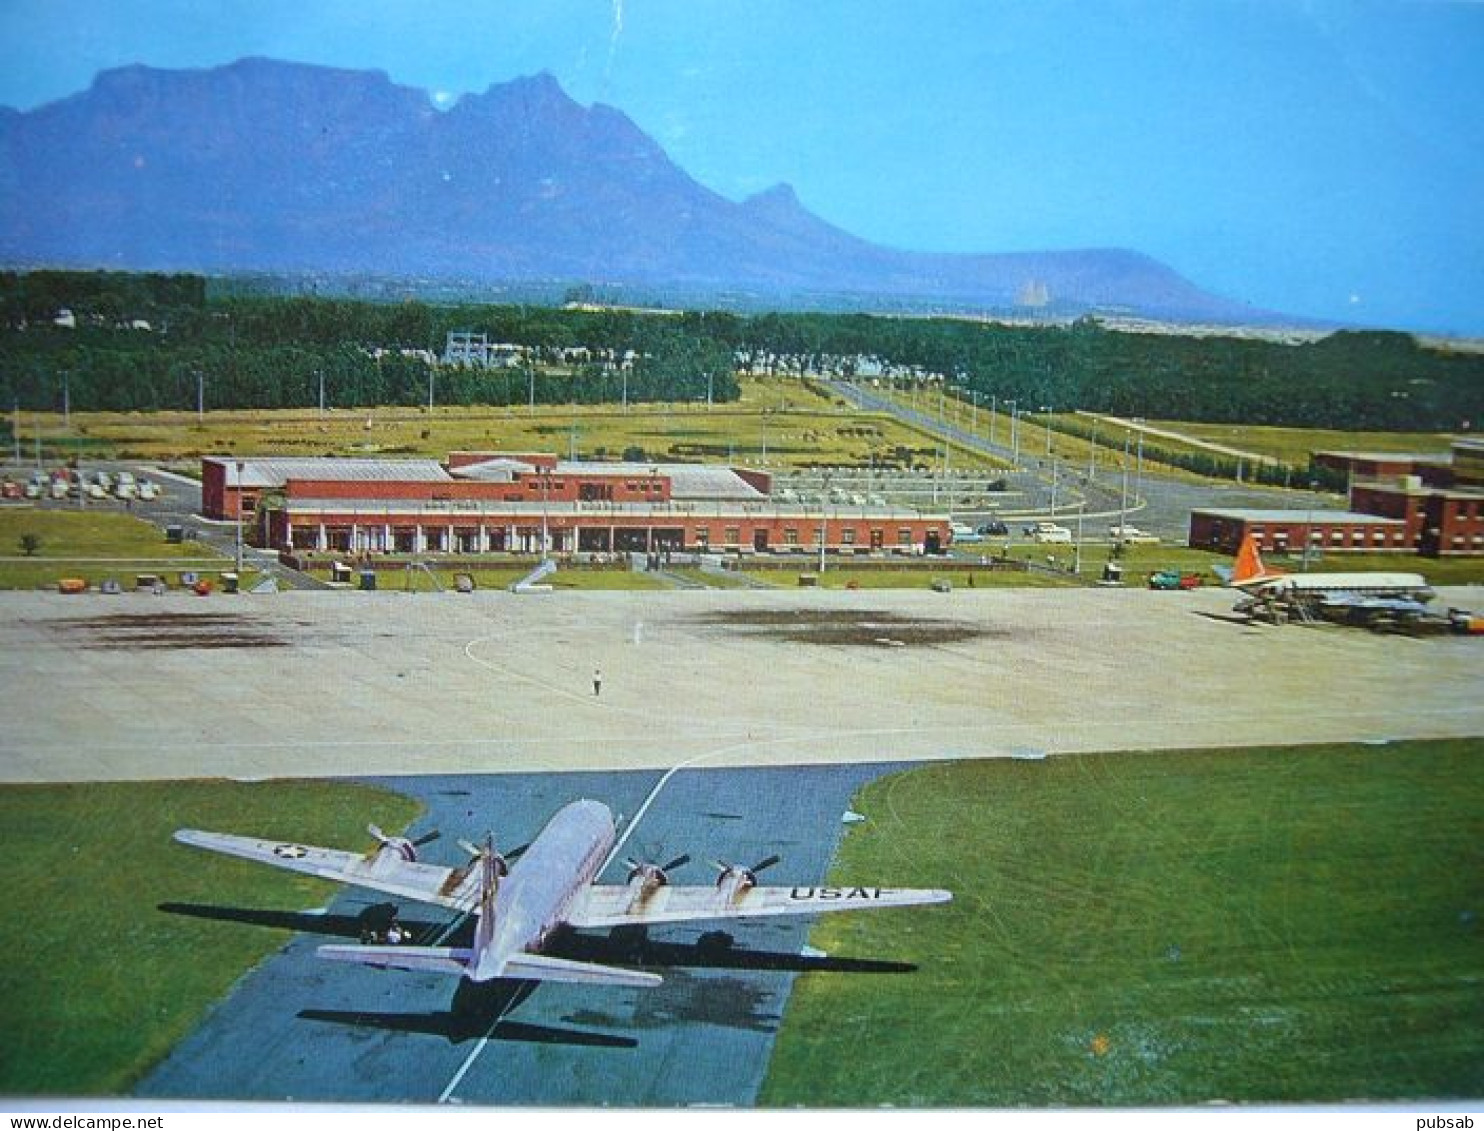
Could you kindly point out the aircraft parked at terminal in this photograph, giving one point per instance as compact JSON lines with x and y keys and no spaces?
{"x":521,"y":901}
{"x":1363,"y":598}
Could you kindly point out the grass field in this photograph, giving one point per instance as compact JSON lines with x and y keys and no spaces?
{"x":843,"y":577}
{"x":1300,"y":924}
{"x":779,"y":423}
{"x":120,"y":545}
{"x":397,"y":580}
{"x":1294,"y":445}
{"x":98,"y":983}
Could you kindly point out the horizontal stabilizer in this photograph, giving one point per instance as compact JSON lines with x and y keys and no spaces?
{"x":540,"y":968}
{"x":437,"y":959}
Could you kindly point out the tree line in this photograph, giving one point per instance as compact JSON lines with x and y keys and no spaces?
{"x":268,"y":352}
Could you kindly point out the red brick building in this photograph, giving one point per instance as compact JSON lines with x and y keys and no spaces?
{"x":1430,"y":505}
{"x":486,"y":503}
{"x":1287,"y":531}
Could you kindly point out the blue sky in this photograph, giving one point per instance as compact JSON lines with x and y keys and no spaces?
{"x":1319,"y":157}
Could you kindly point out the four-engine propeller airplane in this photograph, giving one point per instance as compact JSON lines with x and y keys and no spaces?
{"x":1357,"y":597}
{"x":522,"y":901}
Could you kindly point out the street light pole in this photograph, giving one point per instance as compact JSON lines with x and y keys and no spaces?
{"x":1123,"y":496}
{"x":239,"y":520}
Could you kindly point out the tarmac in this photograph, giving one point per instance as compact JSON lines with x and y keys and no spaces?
{"x":329,"y":1032}
{"x":772,"y":707}
{"x":299,"y":684}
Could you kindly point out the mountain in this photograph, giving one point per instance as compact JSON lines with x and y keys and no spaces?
{"x":264,"y":166}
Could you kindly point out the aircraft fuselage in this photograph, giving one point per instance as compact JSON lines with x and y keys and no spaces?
{"x":533,"y":899}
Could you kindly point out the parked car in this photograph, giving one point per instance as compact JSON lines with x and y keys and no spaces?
{"x":994,"y":527}
{"x":962,"y":533}
{"x":1049,"y":532}
{"x":1169,"y":579}
{"x":1132,"y":535}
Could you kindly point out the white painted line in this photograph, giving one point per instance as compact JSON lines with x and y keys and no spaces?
{"x":473,"y":1056}
{"x":613,"y":852}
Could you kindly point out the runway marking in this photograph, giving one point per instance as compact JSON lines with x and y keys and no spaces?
{"x":612,"y":853}
{"x":473,"y":1055}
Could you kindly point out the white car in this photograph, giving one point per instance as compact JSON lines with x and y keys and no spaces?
{"x":1050,"y":532}
{"x":962,"y":533}
{"x":1132,"y":534}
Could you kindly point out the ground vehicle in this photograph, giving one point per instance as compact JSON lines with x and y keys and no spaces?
{"x":1132,"y":534}
{"x":12,"y":489}
{"x":124,"y":486}
{"x":1174,"y":579}
{"x":962,"y":533}
{"x":995,"y":526}
{"x":148,"y":492}
{"x":1049,"y":532}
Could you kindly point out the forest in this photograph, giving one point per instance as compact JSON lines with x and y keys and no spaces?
{"x":137,"y":342}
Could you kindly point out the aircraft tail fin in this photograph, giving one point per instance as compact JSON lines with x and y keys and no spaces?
{"x":435,"y":959}
{"x":1249,"y":565}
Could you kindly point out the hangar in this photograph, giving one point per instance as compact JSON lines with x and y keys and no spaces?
{"x":489,"y":502}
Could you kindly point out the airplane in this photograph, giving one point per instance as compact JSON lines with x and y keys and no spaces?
{"x":1361,"y":598}
{"x":522,"y":901}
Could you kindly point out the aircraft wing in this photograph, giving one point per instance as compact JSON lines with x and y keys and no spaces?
{"x":613,"y":906}
{"x":454,"y":888}
{"x":1380,"y":604}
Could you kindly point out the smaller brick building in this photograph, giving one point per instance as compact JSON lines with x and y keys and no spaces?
{"x":1288,"y":531}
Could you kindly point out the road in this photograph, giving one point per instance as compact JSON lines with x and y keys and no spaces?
{"x":1164,"y":509}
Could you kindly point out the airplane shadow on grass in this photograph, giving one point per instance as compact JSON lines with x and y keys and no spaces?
{"x":479,"y":1010}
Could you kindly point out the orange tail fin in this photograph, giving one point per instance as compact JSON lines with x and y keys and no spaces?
{"x":1249,"y":563}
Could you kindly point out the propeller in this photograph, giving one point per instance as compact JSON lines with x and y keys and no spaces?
{"x":654,"y":875}
{"x":744,"y":877}
{"x":487,"y":850}
{"x":405,"y":848}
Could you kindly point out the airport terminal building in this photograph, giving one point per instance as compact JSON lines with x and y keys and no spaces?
{"x":488,"y":503}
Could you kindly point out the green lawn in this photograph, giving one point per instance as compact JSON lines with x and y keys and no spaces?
{"x":1295,"y":445}
{"x":398,"y":580}
{"x":68,"y":538}
{"x":1288,"y":925}
{"x":779,"y":422}
{"x":843,"y":577}
{"x":98,"y":983}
